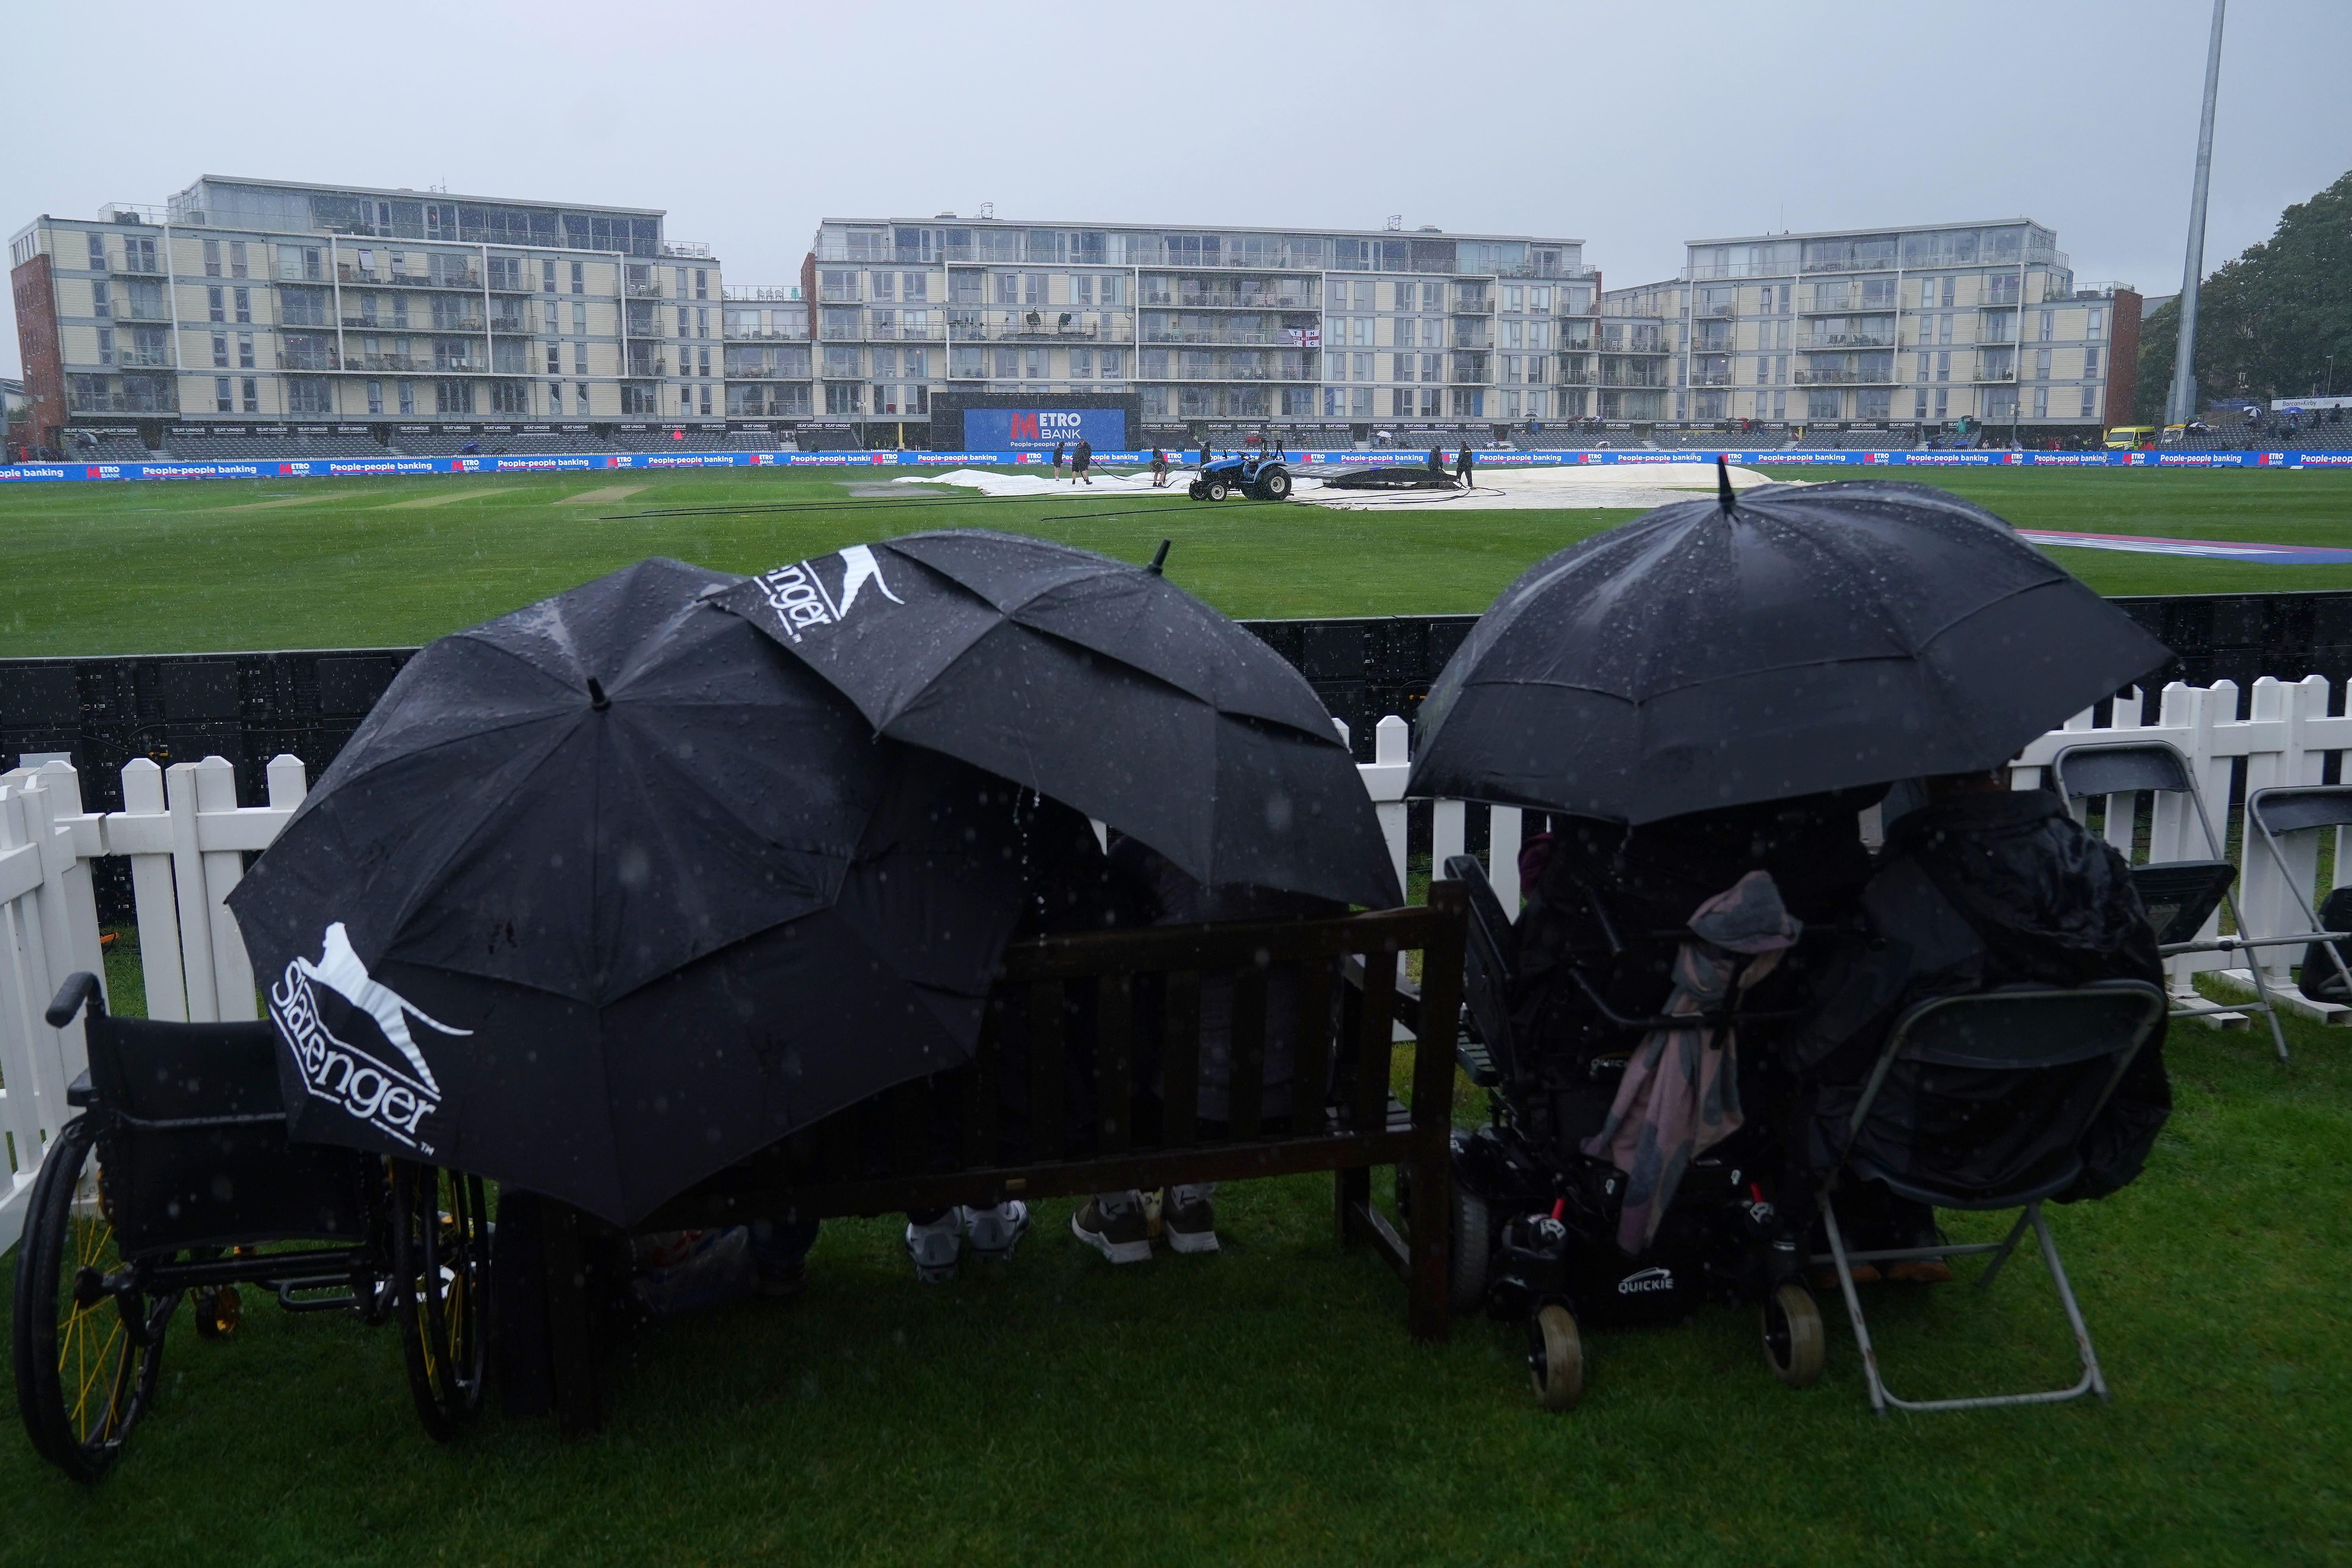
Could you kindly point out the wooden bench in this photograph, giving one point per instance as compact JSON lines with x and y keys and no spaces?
{"x":940,"y":1142}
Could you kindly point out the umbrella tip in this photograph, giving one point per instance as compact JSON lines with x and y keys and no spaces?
{"x":1160,"y":557}
{"x":1722,"y":482}
{"x":597,"y":701}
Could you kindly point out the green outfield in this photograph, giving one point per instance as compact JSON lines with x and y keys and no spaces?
{"x":183,"y":567}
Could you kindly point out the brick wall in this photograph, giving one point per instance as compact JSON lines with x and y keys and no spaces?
{"x":2123,"y":358}
{"x":36,"y":341}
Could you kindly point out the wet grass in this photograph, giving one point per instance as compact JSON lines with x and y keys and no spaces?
{"x":194,"y":566}
{"x":1266,"y":1406}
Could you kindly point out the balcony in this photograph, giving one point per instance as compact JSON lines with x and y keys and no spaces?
{"x":1629,"y":375}
{"x":1711,"y":378}
{"x":131,"y":266}
{"x":315,"y":364}
{"x":517,"y":287}
{"x":745,"y":293}
{"x":397,"y":364}
{"x":687,"y":250}
{"x":137,"y":359}
{"x":1069,"y":326}
{"x":1843,"y":378}
{"x":468,"y":324}
{"x":369,"y":277}
{"x":1848,"y":341}
{"x":642,"y":291}
{"x":167,"y":402}
{"x":1257,"y":337}
{"x":1999,"y":374}
{"x":511,"y":326}
{"x":791,"y":335}
{"x":1846,"y":307}
{"x":642,"y":367}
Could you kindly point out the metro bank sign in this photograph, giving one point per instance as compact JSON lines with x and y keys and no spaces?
{"x":1031,"y":430}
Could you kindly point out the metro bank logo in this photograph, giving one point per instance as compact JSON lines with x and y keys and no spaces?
{"x":1047,"y":425}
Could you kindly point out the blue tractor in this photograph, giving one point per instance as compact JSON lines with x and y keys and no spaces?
{"x":1257,"y":471}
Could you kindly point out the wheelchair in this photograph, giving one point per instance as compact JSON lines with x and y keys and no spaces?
{"x":1534,"y":1219}
{"x":178,"y":1180}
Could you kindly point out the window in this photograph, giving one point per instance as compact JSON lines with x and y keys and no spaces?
{"x":1401,"y":400}
{"x":236,"y":267}
{"x":885,"y":285}
{"x":1032,"y":288}
{"x":1082,"y":364}
{"x":2090,"y":365}
{"x":844,"y":397}
{"x":1943,"y":367}
{"x":506,"y":272}
{"x":580,"y":397}
{"x":1825,"y":404}
{"x":243,"y":299}
{"x":220,"y":351}
{"x":2096,"y":324}
{"x":2042,"y":365}
{"x":106,"y":345}
{"x":555,"y":359}
{"x":1469,"y":402}
{"x":408,"y":397}
{"x":453,"y":398}
{"x":702,"y":292}
{"x":1008,"y":365}
{"x":249,"y":393}
{"x":510,"y":397}
{"x":96,"y":252}
{"x":1430,"y":366}
{"x":216,"y":304}
{"x":223,"y":401}
{"x":2090,"y":402}
{"x":914,"y":286}
{"x":841,"y":364}
{"x":678,"y":273}
{"x":546,"y":275}
{"x":2041,"y":403}
{"x":101,"y":300}
{"x":212,"y":259}
{"x":1033,"y":364}
{"x":579,"y":357}
{"x":1874,"y":403}
{"x":245,"y":352}
{"x":579,"y":278}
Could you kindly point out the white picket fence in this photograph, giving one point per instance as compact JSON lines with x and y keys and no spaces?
{"x":184,"y":835}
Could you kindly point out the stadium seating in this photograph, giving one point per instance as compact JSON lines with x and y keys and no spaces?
{"x":109,"y":447}
{"x":209,"y":447}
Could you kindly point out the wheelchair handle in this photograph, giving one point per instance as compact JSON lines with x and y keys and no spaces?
{"x":80,"y":987}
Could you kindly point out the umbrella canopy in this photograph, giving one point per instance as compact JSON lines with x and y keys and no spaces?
{"x":606,"y":894}
{"x":1791,"y":639}
{"x":1095,"y":682}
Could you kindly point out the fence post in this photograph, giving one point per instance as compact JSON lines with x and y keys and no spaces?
{"x":1505,"y":826}
{"x":1390,"y":756}
{"x":188,"y":895}
{"x":31,"y":1097}
{"x":1448,"y":833}
{"x":224,"y":868}
{"x":142,"y":832}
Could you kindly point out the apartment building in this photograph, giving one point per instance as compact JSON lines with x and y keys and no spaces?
{"x":267,"y":303}
{"x":1327,"y":326}
{"x":1924,"y":326}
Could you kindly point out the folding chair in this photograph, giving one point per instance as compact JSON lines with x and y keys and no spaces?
{"x":2016,"y":1031}
{"x":2186,"y":891}
{"x":2300,"y":808}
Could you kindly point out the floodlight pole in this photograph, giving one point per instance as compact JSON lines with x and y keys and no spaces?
{"x":2180,"y":406}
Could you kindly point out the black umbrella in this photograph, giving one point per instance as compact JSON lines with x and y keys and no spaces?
{"x":1791,"y":639}
{"x":606,"y":894}
{"x":1095,"y":682}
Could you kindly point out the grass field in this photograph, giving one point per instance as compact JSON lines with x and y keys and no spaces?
{"x":196,"y":566}
{"x":1266,"y":1406}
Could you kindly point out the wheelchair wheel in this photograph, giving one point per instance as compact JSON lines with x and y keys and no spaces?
{"x":86,"y":1361}
{"x":1469,"y":1251}
{"x":1793,"y":1341}
{"x":1556,"y":1358}
{"x":441,"y":1276}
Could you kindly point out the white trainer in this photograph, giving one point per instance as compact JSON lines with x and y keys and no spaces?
{"x":935,"y":1246}
{"x":995,"y":1231}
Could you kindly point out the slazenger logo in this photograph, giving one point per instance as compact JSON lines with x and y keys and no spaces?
{"x":800,"y":598}
{"x":1647,"y":1281}
{"x":393,"y":1100}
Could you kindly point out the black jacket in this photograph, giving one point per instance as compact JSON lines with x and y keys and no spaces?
{"x":1975,"y":891}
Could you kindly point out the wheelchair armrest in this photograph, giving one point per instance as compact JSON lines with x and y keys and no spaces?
{"x":79,"y":1094}
{"x":80,"y":987}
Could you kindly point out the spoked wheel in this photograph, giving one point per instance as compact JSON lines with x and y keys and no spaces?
{"x":1556,"y":1358}
{"x":85,"y":1358}
{"x":1793,"y":1341}
{"x":440,"y":1269}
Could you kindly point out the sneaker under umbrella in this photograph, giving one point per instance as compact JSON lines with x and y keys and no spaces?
{"x":1790,"y":639}
{"x":1097,"y":683}
{"x":606,"y":894}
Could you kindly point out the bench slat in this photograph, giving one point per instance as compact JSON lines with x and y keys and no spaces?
{"x":1179,"y":1061}
{"x":1374,"y":1030}
{"x":1246,"y":1055}
{"x":1310,"y":1082}
{"x":1048,"y":1119}
{"x":1114,"y":1061}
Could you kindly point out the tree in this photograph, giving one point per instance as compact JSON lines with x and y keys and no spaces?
{"x":2267,"y":322}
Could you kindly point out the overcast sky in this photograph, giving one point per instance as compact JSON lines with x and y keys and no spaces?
{"x":1631,"y":127}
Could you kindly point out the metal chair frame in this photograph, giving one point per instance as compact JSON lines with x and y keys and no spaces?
{"x":2181,"y":779}
{"x":2336,"y":803}
{"x":2029,"y":1200}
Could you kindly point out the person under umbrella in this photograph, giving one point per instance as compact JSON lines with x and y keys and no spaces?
{"x":1098,"y":684}
{"x":604,"y":895}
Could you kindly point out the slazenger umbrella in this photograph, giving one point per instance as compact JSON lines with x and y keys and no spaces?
{"x":1790,"y":639}
{"x":607,"y":894}
{"x":1099,"y":684}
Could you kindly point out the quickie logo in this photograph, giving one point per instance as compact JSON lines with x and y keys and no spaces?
{"x":1646,"y":1281}
{"x":393,"y":1100}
